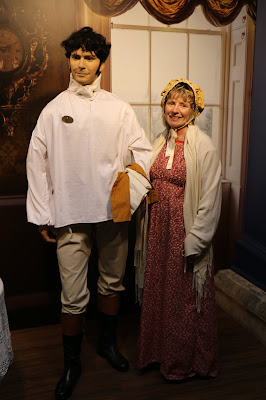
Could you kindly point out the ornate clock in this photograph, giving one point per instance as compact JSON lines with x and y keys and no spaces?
{"x":12,"y":52}
{"x":23,"y":59}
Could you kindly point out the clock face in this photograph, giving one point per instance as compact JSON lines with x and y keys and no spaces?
{"x":11,"y":51}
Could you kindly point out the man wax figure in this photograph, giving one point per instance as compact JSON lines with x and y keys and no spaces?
{"x":78,"y":146}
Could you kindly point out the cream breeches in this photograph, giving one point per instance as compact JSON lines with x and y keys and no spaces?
{"x":74,"y":244}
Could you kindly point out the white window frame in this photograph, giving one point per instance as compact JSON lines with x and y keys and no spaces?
{"x":224,"y":33}
{"x":231,"y":141}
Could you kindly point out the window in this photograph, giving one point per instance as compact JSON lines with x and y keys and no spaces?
{"x":146,"y":55}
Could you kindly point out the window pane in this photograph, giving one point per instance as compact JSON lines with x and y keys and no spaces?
{"x":142,"y":114}
{"x":209,"y":122}
{"x":198,"y":21}
{"x":136,"y":16}
{"x":168,"y":60}
{"x":156,"y":122}
{"x":205,"y":61}
{"x":130,"y":65}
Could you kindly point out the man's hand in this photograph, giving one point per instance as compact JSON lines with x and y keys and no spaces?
{"x":45,"y":230}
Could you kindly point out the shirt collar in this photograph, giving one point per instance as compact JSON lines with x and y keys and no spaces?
{"x":84,"y":90}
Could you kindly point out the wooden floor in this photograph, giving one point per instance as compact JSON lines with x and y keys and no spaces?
{"x":38,"y":362}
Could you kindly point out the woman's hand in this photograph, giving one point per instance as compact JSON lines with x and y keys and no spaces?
{"x":45,"y":230}
{"x":192,"y":258}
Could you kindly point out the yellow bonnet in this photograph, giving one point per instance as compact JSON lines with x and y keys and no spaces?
{"x":195,"y":88}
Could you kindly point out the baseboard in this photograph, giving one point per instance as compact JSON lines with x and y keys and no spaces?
{"x":31,"y":300}
{"x":244,"y":301}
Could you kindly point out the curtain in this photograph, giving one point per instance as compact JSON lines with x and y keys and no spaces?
{"x":217,"y":12}
{"x":110,"y":8}
{"x":224,"y":12}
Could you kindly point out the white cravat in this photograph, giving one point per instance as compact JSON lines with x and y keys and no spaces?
{"x":84,"y":90}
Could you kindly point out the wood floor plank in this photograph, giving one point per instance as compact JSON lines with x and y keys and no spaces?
{"x":38,"y":364}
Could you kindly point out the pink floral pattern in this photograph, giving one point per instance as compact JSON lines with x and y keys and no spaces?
{"x":172,"y":332}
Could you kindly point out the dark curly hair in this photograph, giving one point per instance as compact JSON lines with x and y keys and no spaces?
{"x":88,"y":40}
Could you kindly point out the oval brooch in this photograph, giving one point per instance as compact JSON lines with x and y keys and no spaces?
{"x":67,"y":119}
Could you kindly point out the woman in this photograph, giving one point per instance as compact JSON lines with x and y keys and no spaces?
{"x":178,"y":320}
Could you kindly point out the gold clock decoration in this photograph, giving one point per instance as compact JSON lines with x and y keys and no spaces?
{"x":23,"y":59}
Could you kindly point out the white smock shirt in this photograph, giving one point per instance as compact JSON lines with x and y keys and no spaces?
{"x":78,"y":146}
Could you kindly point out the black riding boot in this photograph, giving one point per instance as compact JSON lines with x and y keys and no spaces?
{"x":107,"y":341}
{"x":72,"y":366}
{"x":72,"y":329}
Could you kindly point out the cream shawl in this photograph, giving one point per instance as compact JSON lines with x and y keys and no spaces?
{"x":202,"y":201}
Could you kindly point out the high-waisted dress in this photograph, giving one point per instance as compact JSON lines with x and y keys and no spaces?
{"x":172,"y":332}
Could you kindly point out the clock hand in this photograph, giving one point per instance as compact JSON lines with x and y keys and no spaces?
{"x":8,"y":46}
{"x":12,"y":44}
{"x":4,"y":48}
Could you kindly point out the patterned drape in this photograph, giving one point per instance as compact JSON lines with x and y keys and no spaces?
{"x":217,"y":12}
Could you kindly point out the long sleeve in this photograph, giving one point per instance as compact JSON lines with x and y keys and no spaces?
{"x":203,"y":200}
{"x":139,"y":145}
{"x":72,"y":166}
{"x":38,"y":204}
